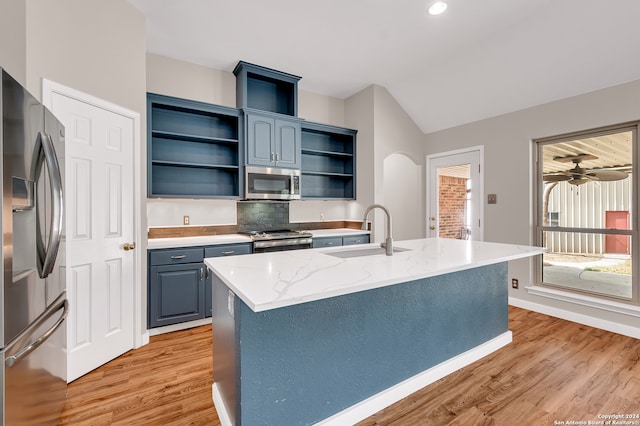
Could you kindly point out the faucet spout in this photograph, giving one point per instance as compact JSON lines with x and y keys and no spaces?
{"x":388,"y":244}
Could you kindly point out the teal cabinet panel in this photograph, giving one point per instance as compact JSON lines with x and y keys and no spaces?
{"x":328,"y":162}
{"x":327,"y":242}
{"x":193,"y":149}
{"x":319,"y":242}
{"x":179,"y":283}
{"x":176,"y":294}
{"x":260,"y":140}
{"x":355,"y":239}
{"x":175,"y":256}
{"x":273,"y":141}
{"x":287,"y":144}
{"x":219,"y":251}
{"x":266,"y":89}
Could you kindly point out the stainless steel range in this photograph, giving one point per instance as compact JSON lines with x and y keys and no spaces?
{"x":280,"y":240}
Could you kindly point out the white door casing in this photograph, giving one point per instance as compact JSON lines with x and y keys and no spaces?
{"x":474,"y":156}
{"x":103,"y":280}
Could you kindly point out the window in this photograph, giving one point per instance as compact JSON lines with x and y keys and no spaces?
{"x":586,"y":215}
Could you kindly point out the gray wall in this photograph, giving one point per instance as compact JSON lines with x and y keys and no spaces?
{"x":13,"y":39}
{"x":385,"y":131}
{"x":507,"y":140}
{"x":96,"y":47}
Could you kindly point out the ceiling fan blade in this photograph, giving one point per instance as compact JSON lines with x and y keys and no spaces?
{"x":555,"y":178}
{"x":608,"y":175}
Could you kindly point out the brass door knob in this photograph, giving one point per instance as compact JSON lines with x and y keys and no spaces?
{"x":128,"y":246}
{"x":432,"y":228}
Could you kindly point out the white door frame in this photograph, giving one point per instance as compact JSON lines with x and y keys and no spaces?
{"x":431,"y":187}
{"x":49,"y":88}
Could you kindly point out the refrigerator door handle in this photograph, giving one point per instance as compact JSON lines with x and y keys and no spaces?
{"x":60,"y":303}
{"x":44,"y":152}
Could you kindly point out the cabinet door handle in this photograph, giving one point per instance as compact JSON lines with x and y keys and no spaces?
{"x":182,"y":256}
{"x":227,"y":253}
{"x":277,"y":156}
{"x":201,"y":274}
{"x":273,"y":156}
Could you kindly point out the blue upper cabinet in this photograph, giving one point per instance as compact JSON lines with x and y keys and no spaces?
{"x":328,"y":162}
{"x":273,"y":140}
{"x":193,"y":149}
{"x":266,"y":89}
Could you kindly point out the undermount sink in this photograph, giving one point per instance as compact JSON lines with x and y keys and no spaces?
{"x":369,"y":251}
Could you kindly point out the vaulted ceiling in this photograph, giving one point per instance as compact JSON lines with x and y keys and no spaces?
{"x":480,"y":59}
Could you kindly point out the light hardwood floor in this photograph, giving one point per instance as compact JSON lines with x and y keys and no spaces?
{"x":554,"y":371}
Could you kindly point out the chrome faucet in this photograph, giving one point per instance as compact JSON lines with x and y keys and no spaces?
{"x":388,"y":244}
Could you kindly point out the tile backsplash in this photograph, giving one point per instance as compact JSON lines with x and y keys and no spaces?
{"x":263,"y":215}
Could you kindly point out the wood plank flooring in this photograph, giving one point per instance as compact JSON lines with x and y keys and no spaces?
{"x":554,"y":371}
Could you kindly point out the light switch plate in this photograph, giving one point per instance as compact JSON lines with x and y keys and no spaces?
{"x":492,"y":199}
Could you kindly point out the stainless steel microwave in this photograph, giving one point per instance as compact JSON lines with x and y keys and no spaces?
{"x":270,"y":183}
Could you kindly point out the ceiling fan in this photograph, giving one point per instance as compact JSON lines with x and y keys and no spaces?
{"x":579,"y":175}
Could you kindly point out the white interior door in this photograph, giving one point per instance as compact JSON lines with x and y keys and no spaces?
{"x":462,"y":171}
{"x":99,"y":167}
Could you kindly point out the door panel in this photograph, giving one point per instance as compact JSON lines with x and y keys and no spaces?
{"x":288,"y":137}
{"x":100,"y":220}
{"x":260,"y":135}
{"x":455,"y":211}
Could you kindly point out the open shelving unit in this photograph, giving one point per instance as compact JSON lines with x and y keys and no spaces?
{"x":194,"y":149}
{"x":266,"y":89}
{"x":328,"y":162}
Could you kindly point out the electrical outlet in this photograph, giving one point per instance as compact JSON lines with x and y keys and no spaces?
{"x":322,"y":216}
{"x":185,"y":220}
{"x":514,"y":283}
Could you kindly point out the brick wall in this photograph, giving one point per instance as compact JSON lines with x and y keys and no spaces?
{"x":452,"y":204}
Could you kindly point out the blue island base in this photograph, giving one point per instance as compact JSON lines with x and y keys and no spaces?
{"x":341,"y":359}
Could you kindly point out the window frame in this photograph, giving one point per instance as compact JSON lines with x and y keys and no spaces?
{"x":539,"y":228}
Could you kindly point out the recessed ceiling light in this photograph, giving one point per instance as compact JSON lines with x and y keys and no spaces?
{"x":437,"y":8}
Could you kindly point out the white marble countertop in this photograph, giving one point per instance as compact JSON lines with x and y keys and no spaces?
{"x":267,"y":281}
{"x":206,"y":240}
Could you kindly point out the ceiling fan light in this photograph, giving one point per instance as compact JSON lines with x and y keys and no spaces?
{"x":437,"y":8}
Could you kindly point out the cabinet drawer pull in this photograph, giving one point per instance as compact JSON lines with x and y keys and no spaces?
{"x":356,"y":241}
{"x":328,"y":243}
{"x":226,"y":253}
{"x":182,"y":256}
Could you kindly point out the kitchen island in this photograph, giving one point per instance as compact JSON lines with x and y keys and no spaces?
{"x":333,"y":335}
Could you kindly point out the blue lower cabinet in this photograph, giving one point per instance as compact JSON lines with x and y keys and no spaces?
{"x":340,"y":241}
{"x":176,"y":294}
{"x":356,"y":239}
{"x":180,"y":283}
{"x":327,"y":242}
{"x":219,"y":251}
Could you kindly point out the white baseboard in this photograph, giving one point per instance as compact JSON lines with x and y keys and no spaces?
{"x":178,"y":327}
{"x":221,"y":408}
{"x":590,"y":321}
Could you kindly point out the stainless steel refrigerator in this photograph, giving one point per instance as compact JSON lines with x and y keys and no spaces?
{"x":33,"y":305}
